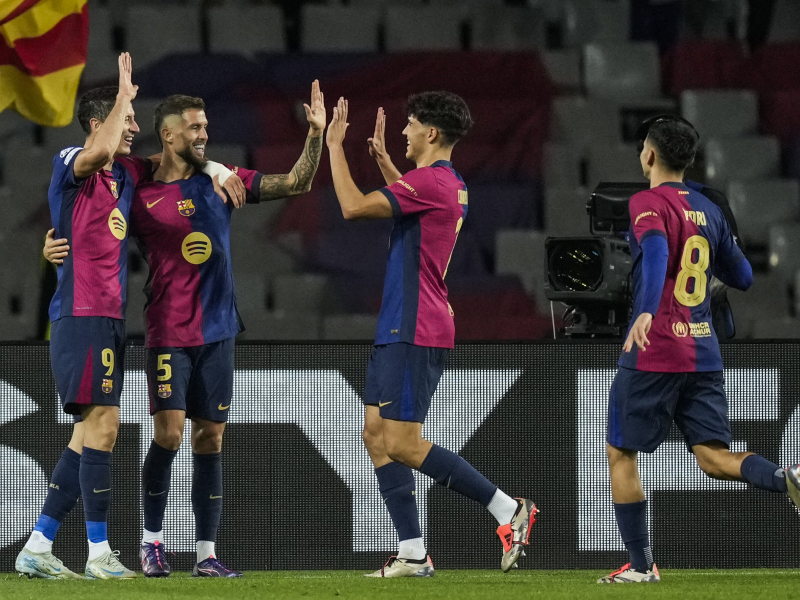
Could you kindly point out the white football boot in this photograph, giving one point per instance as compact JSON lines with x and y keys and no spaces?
{"x":107,"y":566}
{"x":405,"y":567}
{"x":627,"y":575}
{"x":42,"y":564}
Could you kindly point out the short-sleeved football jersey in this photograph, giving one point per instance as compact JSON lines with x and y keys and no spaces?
{"x":93,"y":214}
{"x":682,"y":339}
{"x":184,"y":229}
{"x":429,"y":206}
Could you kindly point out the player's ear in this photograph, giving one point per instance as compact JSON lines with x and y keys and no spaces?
{"x":651,"y":157}
{"x":95,"y":124}
{"x":433,"y":135}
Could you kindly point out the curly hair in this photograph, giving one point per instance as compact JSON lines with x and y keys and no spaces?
{"x":444,"y":110}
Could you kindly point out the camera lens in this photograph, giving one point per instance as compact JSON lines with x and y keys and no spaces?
{"x":577,"y":266}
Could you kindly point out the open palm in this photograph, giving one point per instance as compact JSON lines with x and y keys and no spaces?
{"x":316,"y":112}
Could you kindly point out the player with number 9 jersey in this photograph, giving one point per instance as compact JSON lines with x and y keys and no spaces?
{"x":700,"y":244}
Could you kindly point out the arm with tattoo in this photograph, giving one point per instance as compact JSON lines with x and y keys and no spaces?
{"x":298,"y":181}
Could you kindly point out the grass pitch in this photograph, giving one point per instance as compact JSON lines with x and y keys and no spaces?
{"x":459,"y":585}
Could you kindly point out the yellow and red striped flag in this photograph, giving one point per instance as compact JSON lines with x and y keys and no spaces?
{"x":43,"y":46}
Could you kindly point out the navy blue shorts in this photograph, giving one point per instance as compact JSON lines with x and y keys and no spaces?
{"x":197,"y":379}
{"x":87,"y":356}
{"x":643,"y":405}
{"x":401,"y":380}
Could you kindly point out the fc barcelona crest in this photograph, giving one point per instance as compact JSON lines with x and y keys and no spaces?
{"x":108,"y":386}
{"x":164,"y":390}
{"x":114,"y":189}
{"x":186,"y":207}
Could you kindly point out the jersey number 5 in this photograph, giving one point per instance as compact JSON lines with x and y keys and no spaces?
{"x":693,"y":267}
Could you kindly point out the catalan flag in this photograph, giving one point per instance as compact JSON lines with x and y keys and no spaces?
{"x":43,"y":47}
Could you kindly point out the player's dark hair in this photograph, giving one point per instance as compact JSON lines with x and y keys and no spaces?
{"x":97,"y":104}
{"x":444,"y":110}
{"x":676,"y":143}
{"x":176,"y":104}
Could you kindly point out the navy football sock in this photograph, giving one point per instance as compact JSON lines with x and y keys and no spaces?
{"x":207,"y":495}
{"x":156,"y":475}
{"x":95,"y":478}
{"x":63,"y":493}
{"x":450,"y":470}
{"x":396,"y":482}
{"x":632,"y":523}
{"x":758,"y":471}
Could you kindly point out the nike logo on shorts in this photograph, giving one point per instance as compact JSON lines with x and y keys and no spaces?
{"x":158,"y":494}
{"x":382,"y":404}
{"x":101,"y":491}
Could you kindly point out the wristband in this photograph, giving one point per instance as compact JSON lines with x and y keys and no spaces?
{"x":212,"y":168}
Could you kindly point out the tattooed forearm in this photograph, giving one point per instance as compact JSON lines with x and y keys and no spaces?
{"x":298,"y":181}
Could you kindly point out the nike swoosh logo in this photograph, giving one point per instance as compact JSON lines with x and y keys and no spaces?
{"x":111,"y":572}
{"x":382,"y":404}
{"x":213,"y":497}
{"x":220,"y":407}
{"x":101,"y":491}
{"x":158,"y":494}
{"x":152,"y":204}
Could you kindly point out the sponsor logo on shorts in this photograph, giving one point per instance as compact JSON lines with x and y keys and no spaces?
{"x":117,"y":224}
{"x":114,"y":190}
{"x":108,"y":386}
{"x":213,"y":497}
{"x":186,"y":207}
{"x":164,"y":390}
{"x":196,"y":248}
{"x":695,"y":330}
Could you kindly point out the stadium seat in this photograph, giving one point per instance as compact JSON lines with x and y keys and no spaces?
{"x":565,"y":211}
{"x":251,"y":292}
{"x":741,"y":158}
{"x":246,"y":30}
{"x":101,"y":57}
{"x":521,"y":252}
{"x":340,"y":28}
{"x":583,"y":121}
{"x":265,"y":325}
{"x":512,"y":28}
{"x":760,"y":203}
{"x":349,"y":327}
{"x":134,"y":315}
{"x":564,"y":68}
{"x":614,"y":162}
{"x":587,"y":21}
{"x":720,"y":113}
{"x":784,"y":249}
{"x":786,"y":328}
{"x":20,"y":291}
{"x":298,"y":293}
{"x":151,"y":33}
{"x":620,"y":72}
{"x":785,"y":22}
{"x":766,"y":298}
{"x":434,"y":28}
{"x":562,"y":165}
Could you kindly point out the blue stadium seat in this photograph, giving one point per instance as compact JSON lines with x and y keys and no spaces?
{"x":246,"y":29}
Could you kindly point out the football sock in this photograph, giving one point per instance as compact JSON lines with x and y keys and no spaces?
{"x":503,"y":507}
{"x":95,"y":479}
{"x":413,"y":549}
{"x":207,"y":495}
{"x":156,"y":475}
{"x":758,"y":471}
{"x":632,"y":523}
{"x":96,"y":550}
{"x":396,"y":482}
{"x":205,"y":550}
{"x":63,"y":493}
{"x":38,"y":543}
{"x":151,"y":537}
{"x":450,"y":470}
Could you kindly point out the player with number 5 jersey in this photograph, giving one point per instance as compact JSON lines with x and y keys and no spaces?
{"x":671,"y":369}
{"x":415,"y":326}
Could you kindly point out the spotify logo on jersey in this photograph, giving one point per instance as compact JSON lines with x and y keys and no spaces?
{"x":117,"y":224}
{"x":196,"y":248}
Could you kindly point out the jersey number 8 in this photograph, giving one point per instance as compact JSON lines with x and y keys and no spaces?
{"x":694,"y":270}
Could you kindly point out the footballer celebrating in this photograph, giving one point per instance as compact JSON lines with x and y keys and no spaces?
{"x":90,"y":198}
{"x":671,"y":368}
{"x":415,"y":326}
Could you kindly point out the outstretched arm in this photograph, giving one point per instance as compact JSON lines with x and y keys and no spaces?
{"x":355,"y":205}
{"x":298,"y":180}
{"x":107,"y":140}
{"x":377,"y":150}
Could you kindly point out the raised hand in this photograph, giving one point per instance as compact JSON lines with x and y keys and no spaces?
{"x":339,"y":124}
{"x":126,"y":87}
{"x":377,"y":143}
{"x":316,"y":112}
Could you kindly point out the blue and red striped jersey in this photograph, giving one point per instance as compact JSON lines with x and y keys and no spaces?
{"x":700,"y":242}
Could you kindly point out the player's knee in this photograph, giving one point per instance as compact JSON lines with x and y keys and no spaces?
{"x":169,"y":439}
{"x":710,"y":465}
{"x":373,"y":440}
{"x":207,"y":441}
{"x":399,"y":450}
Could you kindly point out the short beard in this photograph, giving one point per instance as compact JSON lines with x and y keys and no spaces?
{"x":189,"y":157}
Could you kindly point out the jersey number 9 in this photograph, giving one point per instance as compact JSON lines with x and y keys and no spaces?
{"x":694,"y":270}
